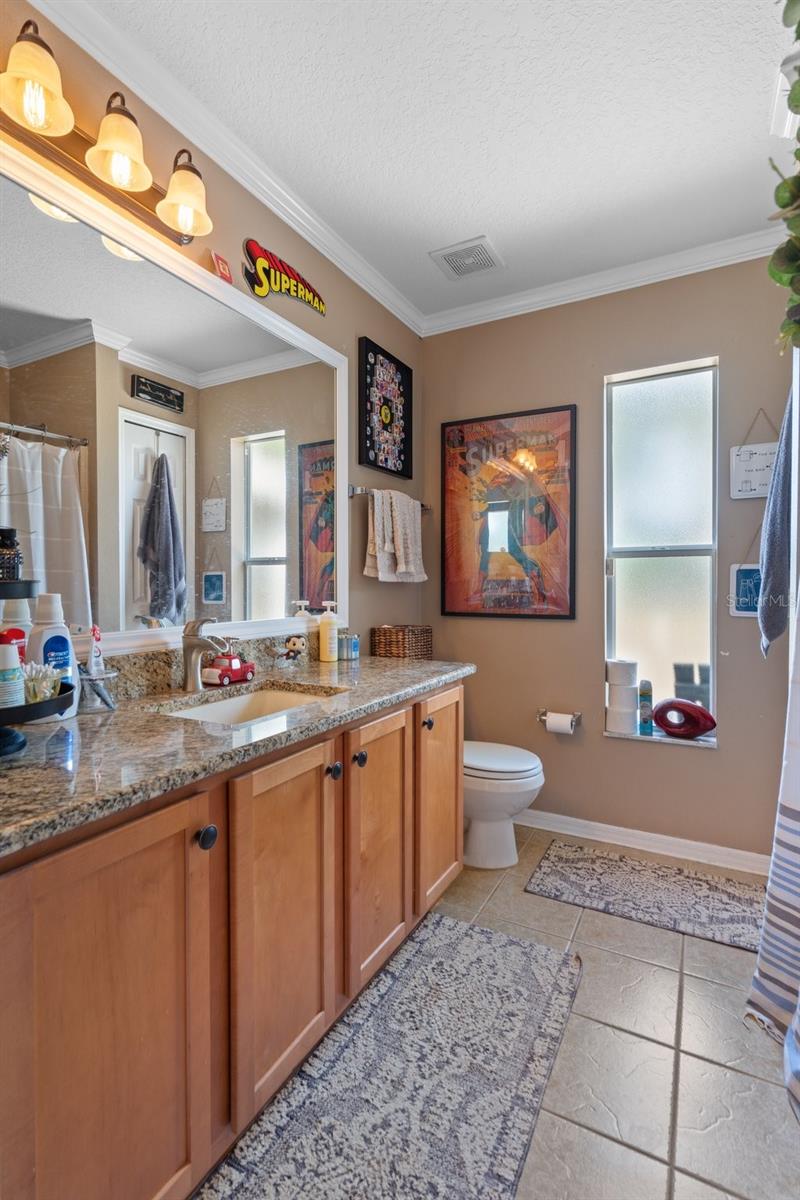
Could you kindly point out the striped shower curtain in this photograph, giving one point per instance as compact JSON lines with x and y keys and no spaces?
{"x":774,"y":999}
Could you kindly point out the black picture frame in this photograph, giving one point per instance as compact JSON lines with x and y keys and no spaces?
{"x":375,"y":429}
{"x":446,"y":557}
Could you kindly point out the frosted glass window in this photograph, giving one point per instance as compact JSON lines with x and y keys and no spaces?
{"x":267,"y":498}
{"x":661,"y":433}
{"x":266,"y":591}
{"x":662,"y":620}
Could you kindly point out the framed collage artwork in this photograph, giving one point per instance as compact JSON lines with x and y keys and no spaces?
{"x":384,"y":411}
{"x":508,"y":524}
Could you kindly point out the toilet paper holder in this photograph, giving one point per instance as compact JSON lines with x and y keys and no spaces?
{"x":541,"y":715}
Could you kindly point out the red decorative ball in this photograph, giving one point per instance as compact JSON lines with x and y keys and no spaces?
{"x":683,"y":719}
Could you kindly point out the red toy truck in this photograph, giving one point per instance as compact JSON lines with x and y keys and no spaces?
{"x":228,"y":668}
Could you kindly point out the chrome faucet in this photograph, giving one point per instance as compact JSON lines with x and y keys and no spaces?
{"x":195,"y":646}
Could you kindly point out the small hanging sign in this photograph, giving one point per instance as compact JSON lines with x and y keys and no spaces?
{"x":213,"y":510}
{"x":267,"y":274}
{"x":744,"y":590}
{"x":157,"y":393}
{"x":751,"y":469}
{"x":221,"y":267}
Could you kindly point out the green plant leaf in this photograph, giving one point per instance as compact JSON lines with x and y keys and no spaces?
{"x":791,"y":13}
{"x":793,"y":99}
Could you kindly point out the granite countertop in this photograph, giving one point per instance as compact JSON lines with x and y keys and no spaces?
{"x":77,"y":771}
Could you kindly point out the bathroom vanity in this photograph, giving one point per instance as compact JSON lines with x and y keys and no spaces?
{"x":186,"y":907}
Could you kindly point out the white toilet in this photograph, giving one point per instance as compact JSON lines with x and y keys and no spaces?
{"x":499,"y":782}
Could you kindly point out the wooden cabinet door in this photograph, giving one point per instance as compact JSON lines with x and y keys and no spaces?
{"x":283,"y":920}
{"x":379,"y":824}
{"x":104,"y":1026}
{"x":439,"y":807}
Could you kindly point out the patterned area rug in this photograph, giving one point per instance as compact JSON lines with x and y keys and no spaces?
{"x":706,"y":906}
{"x":429,"y":1085}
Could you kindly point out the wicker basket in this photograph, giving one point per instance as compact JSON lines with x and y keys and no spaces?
{"x":402,"y":641}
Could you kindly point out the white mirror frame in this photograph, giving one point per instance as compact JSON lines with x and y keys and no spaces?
{"x":93,"y":211}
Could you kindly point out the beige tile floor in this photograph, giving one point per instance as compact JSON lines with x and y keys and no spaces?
{"x":659,"y":1091}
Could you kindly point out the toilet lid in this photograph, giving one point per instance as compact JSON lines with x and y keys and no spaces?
{"x":493,"y":760}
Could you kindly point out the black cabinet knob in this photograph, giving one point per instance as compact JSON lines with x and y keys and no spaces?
{"x":335,"y":770}
{"x":207,"y":837}
{"x":360,"y":759}
{"x":428,"y":723}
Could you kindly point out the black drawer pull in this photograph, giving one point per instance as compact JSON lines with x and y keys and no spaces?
{"x":206,"y":837}
{"x":360,"y":759}
{"x":335,"y":770}
{"x":428,"y":723}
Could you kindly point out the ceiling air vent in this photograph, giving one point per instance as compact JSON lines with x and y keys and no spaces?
{"x":467,"y":258}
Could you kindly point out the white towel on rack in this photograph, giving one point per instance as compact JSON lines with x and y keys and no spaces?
{"x":406,"y":518}
{"x":394,"y":538}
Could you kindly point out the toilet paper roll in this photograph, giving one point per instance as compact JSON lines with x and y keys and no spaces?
{"x":621,"y":722}
{"x":621,"y":670}
{"x":623,"y":697}
{"x":559,"y":722}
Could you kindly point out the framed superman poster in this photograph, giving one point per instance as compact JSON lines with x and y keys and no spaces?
{"x":316,"y":479}
{"x":508,"y":525}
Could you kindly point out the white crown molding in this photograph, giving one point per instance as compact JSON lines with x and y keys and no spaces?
{"x":115,"y":51}
{"x":286,"y":360}
{"x":618,"y":279}
{"x":109,"y":337}
{"x":79,"y":334}
{"x":90,"y":29}
{"x":640,"y":839}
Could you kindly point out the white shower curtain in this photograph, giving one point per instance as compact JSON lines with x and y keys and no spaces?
{"x":774,"y":999}
{"x":40,"y":498}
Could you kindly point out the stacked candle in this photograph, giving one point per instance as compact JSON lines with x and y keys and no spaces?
{"x":622,"y":705}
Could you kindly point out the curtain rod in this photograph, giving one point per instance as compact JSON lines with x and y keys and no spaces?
{"x":43,"y":432}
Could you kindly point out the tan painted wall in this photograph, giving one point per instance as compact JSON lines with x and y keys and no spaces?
{"x":560,"y":356}
{"x":301,"y":402}
{"x":237,"y":215}
{"x":59,"y":392}
{"x":5,"y":394}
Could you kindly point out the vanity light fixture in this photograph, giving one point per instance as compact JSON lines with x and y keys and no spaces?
{"x":184,"y":206}
{"x":51,"y":210}
{"x":120,"y":250}
{"x":118,"y":156}
{"x":30,"y":87}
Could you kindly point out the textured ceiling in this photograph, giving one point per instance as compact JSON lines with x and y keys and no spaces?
{"x":53,"y":274}
{"x":579,"y":137}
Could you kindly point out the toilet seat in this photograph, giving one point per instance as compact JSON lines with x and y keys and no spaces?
{"x":492,"y":760}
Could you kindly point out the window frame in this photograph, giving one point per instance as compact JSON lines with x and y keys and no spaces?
{"x":708,"y":550}
{"x":249,"y":560}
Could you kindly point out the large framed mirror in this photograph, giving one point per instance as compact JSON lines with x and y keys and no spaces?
{"x":194,"y":463}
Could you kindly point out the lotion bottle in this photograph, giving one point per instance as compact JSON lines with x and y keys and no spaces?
{"x":328,"y":634}
{"x":49,"y":643}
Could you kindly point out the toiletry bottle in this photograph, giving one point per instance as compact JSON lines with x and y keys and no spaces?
{"x":328,"y":633}
{"x":15,"y":625}
{"x":12,"y":683}
{"x":645,"y":708}
{"x":49,"y":643}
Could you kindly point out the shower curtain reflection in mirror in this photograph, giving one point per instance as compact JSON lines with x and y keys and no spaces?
{"x":40,"y":498}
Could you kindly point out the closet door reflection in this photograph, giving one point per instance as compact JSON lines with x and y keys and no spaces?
{"x":142,"y":445}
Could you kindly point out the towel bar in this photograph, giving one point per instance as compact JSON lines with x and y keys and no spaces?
{"x":364,"y":491}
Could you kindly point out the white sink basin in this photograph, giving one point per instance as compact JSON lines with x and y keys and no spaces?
{"x":244,"y":710}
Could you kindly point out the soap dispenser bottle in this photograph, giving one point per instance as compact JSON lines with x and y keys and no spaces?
{"x":328,"y":634}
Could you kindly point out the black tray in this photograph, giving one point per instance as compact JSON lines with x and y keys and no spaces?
{"x":19,"y":714}
{"x":19,"y":589}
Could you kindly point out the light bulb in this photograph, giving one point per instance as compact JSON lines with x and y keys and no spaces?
{"x":118,"y":249}
{"x":185,"y":218}
{"x":34,"y":107}
{"x":51,"y":210}
{"x":121,"y":170}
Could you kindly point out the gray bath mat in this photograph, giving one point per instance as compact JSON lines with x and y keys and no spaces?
{"x":703,"y":905}
{"x":429,"y":1085}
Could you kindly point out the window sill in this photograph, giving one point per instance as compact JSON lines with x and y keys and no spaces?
{"x":709,"y":742}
